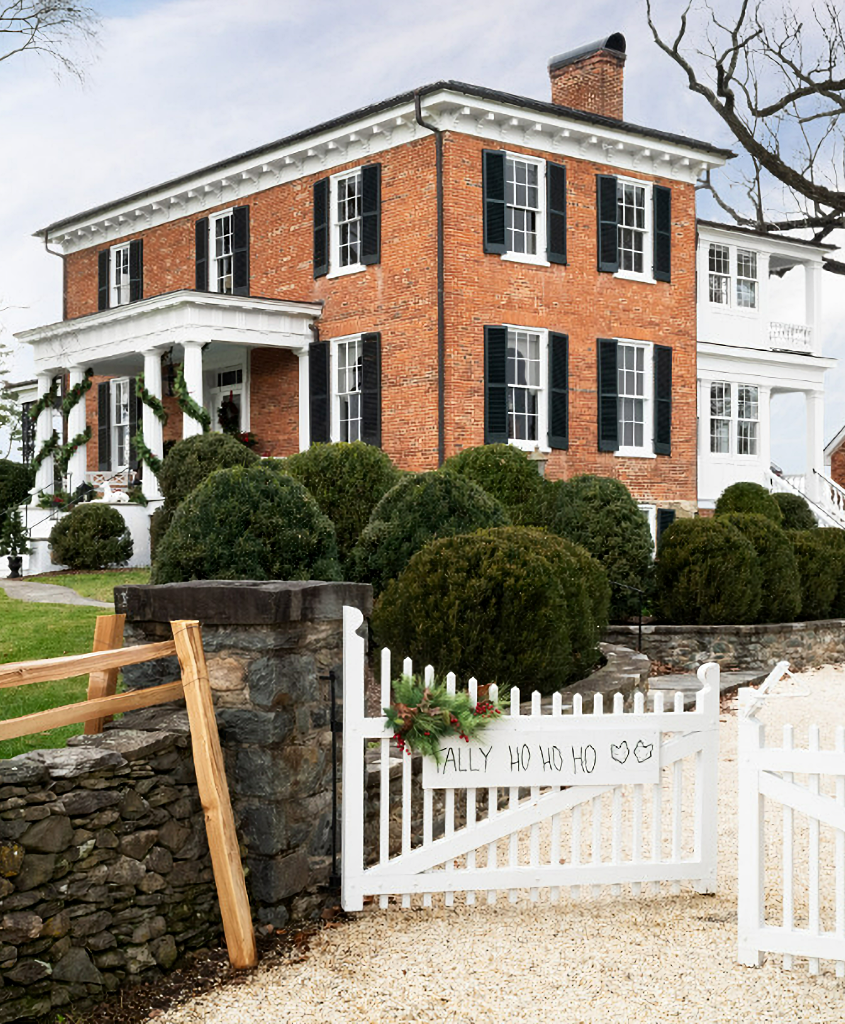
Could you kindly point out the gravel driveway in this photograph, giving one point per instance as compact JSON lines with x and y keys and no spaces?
{"x":649,"y":959}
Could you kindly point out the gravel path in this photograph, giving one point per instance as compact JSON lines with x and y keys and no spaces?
{"x":649,"y":959}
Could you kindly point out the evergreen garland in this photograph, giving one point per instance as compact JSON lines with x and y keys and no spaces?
{"x":188,"y":406}
{"x":150,"y":400}
{"x":49,"y":446}
{"x":44,"y":401}
{"x":76,"y":393}
{"x":422,"y":717}
{"x":144,"y":453}
{"x":66,"y":450}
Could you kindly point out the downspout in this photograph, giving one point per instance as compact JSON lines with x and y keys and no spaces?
{"x":61,"y":256}
{"x":441,"y":319}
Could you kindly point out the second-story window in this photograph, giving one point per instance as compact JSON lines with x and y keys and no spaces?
{"x":747,"y":415}
{"x":720,"y":274}
{"x":347,"y":227}
{"x":120,"y":275}
{"x":720,"y":417}
{"x":746,"y":279}
{"x":633,"y":227}
{"x":522,"y":205}
{"x":222,"y":253}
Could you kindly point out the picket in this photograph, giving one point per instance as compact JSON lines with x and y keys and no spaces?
{"x":517,"y":842}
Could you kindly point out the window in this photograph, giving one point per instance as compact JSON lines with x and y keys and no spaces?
{"x":522,"y":205}
{"x":225,"y":398}
{"x":347,"y":221}
{"x":525,"y":379}
{"x":344,"y":385}
{"x":734,"y":427}
{"x":348,"y":363}
{"x":634,"y":397}
{"x":746,"y":279}
{"x":119,"y":275}
{"x":120,"y":423}
{"x":222,"y":253}
{"x":632,"y":227}
{"x":634,"y":237}
{"x":720,"y":274}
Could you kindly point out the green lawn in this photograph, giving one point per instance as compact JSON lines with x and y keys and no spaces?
{"x":97,"y":585}
{"x":29,"y":631}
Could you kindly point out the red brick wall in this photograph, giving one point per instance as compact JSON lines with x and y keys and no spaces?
{"x":837,"y":466}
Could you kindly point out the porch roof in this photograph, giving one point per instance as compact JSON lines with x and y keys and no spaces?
{"x":106,"y":340}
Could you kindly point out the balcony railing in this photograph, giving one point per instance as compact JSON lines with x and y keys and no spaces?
{"x":793,"y":337}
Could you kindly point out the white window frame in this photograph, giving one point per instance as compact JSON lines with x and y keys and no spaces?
{"x":747,"y":419}
{"x":723,"y":277}
{"x":119,"y":275}
{"x":743,"y":278}
{"x":733,"y":277}
{"x":213,"y":221}
{"x":117,"y":385}
{"x":336,"y":396}
{"x":215,"y":393}
{"x":647,"y":449}
{"x":335,"y":269}
{"x":650,"y":513}
{"x":647,"y":274}
{"x":726,"y":396}
{"x":733,"y":420}
{"x":542,"y":442}
{"x":537,"y":259}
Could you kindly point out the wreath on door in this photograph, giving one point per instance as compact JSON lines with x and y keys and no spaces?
{"x":229,"y":416}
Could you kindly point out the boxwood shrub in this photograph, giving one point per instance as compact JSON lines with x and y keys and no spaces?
{"x":348,"y":481}
{"x":247,"y":522}
{"x":780,"y":584}
{"x":503,"y":471}
{"x":707,"y":574}
{"x":92,"y":536}
{"x":820,"y":555}
{"x":509,"y":605}
{"x":796,"y":513}
{"x":748,"y":497}
{"x":417,"y":510}
{"x":16,"y":481}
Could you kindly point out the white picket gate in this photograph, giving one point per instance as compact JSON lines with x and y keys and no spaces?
{"x":651,"y":820}
{"x":805,"y":866}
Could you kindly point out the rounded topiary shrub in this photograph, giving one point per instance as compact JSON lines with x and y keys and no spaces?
{"x":417,"y":510}
{"x":707,"y":574}
{"x":503,"y":471}
{"x":16,"y":481}
{"x":796,"y":513}
{"x":780,"y":584}
{"x":348,"y":481}
{"x":748,"y":497}
{"x":191,"y":460}
{"x":247,"y":523}
{"x":834,"y":540}
{"x":508,"y":605}
{"x":92,"y":536}
{"x":599,"y":513}
{"x":820,"y":569}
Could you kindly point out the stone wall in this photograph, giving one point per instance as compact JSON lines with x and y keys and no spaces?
{"x":803,"y":644}
{"x":104,"y":868}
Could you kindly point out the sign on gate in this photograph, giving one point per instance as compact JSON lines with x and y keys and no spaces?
{"x":513,"y":754}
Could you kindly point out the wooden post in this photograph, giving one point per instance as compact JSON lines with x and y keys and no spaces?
{"x":108,"y":635}
{"x":214,"y":796}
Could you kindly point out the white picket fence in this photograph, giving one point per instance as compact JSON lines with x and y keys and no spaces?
{"x":649,"y":820}
{"x":797,"y":879}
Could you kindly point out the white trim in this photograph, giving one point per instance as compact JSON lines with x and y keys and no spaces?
{"x":650,"y":512}
{"x":647,"y":449}
{"x":538,"y":258}
{"x":647,"y":274}
{"x":542,"y":442}
{"x":335,"y":269}
{"x":334,"y":398}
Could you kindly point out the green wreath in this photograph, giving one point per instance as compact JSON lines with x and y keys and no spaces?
{"x":423,"y":716}
{"x":188,"y":406}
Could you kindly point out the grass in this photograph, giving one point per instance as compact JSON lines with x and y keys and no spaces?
{"x":29,"y":631}
{"x":97,"y":585}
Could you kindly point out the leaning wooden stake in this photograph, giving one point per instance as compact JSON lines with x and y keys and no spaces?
{"x":214,"y":795}
{"x":108,"y":635}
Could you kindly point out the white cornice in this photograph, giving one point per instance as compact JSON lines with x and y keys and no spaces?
{"x":446,"y":109}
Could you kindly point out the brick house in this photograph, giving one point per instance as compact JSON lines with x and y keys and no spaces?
{"x":450,"y":267}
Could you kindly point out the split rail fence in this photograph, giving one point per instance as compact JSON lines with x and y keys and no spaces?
{"x":102,"y":666}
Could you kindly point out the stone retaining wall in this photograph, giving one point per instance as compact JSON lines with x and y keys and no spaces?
{"x":104,"y":868}
{"x":803,"y":644}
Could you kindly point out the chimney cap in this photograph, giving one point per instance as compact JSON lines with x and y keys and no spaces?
{"x":614,"y":42}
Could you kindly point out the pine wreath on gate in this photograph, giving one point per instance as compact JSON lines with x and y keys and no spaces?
{"x":229,"y":415}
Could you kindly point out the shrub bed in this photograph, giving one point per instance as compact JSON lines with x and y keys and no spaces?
{"x":92,"y":536}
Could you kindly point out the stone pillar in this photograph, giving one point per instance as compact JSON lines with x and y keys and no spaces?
{"x":815,"y":443}
{"x":153,"y":431}
{"x":43,"y":432}
{"x":304,"y":400}
{"x":270,"y":648}
{"x":192,"y":368}
{"x":78,"y":463}
{"x":813,"y":304}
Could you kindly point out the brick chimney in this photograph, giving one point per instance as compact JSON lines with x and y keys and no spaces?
{"x":590,"y":78}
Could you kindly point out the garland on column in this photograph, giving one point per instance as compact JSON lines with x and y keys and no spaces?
{"x":66,"y":450}
{"x":150,"y":400}
{"x":144,"y":453}
{"x":49,"y":446}
{"x":188,"y":406}
{"x":44,"y":401}
{"x":75,"y":394}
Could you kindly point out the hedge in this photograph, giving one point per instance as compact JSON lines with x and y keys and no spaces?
{"x":504,"y":472}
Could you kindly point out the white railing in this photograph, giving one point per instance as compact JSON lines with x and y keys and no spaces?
{"x":827,"y":514}
{"x":509,"y":807}
{"x":767,"y":776}
{"x":794,"y":337}
{"x":832,"y":494}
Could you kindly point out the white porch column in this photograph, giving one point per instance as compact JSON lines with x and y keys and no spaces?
{"x":78,"y":462}
{"x":192,"y":368}
{"x":153,"y":431}
{"x":813,"y":303}
{"x":815,"y":442}
{"x":763,"y":305}
{"x":43,"y":432}
{"x":304,"y":401}
{"x":764,"y":412}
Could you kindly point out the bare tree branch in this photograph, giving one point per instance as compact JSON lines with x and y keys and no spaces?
{"x":53,"y":28}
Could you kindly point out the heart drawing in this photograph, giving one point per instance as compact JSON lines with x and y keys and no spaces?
{"x":643,"y":751}
{"x":620,"y":752}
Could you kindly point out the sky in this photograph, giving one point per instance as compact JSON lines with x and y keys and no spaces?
{"x":173,"y":85}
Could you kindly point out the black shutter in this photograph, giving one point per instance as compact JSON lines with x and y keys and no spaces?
{"x":318,"y":391}
{"x":103,"y":267}
{"x":662,"y":400}
{"x":662,"y":233}
{"x":135,"y":413}
{"x":607,"y":210}
{"x":371,"y":388}
{"x":493,"y":176}
{"x":558,"y":391}
{"x":136,"y":270}
{"x":104,"y":425}
{"x":201,"y":234}
{"x":371,"y":214}
{"x":321,"y":227}
{"x":556,"y":213}
{"x":240,"y":250}
{"x":665,"y":518}
{"x":607,"y":396}
{"x":495,"y":385}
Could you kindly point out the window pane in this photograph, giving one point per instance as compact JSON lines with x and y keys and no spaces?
{"x":522,"y":199}
{"x":349,"y":358}
{"x":523,"y":376}
{"x":348,"y":219}
{"x":631,"y":390}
